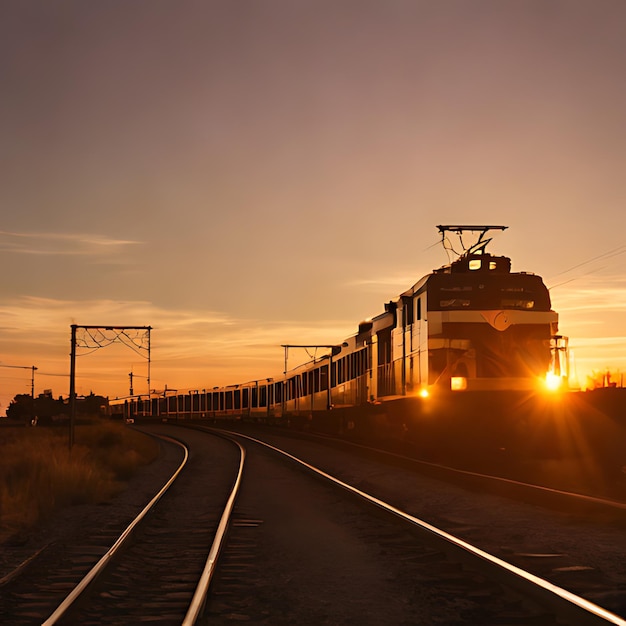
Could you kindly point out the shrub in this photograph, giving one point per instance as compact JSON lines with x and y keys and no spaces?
{"x":39,"y":475}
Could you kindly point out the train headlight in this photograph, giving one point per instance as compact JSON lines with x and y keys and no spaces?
{"x":424,"y":393}
{"x":553,"y":382}
{"x":458,"y":383}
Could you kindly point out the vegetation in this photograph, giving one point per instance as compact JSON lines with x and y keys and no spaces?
{"x":39,"y":475}
{"x":44,"y":409}
{"x":604,"y":378}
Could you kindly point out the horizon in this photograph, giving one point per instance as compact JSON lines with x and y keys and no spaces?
{"x":593,"y":377}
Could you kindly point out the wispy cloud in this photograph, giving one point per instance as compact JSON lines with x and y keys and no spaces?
{"x":189,"y":348}
{"x":386,"y":284}
{"x":65,"y":244}
{"x":599,"y":293}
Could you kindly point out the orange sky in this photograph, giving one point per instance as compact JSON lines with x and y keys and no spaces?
{"x":243,"y":176}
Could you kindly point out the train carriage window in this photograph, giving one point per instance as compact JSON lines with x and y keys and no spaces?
{"x":323,"y":378}
{"x":237,"y":398}
{"x":245,"y":399}
{"x":304,"y":384}
{"x":333,"y":375}
{"x":262,"y":395}
{"x":408,"y":312}
{"x":229,"y":399}
{"x":222,"y":403}
{"x":278,"y":392}
{"x":255,"y":397}
{"x":362,"y":362}
{"x":418,"y":309}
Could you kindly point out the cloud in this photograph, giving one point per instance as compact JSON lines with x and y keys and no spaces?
{"x":600,"y":294}
{"x":64,"y":244}
{"x":385,"y":284}
{"x":189,"y":348}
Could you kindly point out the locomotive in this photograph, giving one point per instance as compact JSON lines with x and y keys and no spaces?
{"x":472,"y":325}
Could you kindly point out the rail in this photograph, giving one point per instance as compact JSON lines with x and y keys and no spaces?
{"x":101,"y":565}
{"x":199,"y":598}
{"x":564,"y":603}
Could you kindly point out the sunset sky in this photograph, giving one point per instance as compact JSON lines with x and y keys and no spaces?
{"x":241,"y":175}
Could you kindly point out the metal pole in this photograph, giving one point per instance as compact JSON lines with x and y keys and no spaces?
{"x":32,"y":395}
{"x":72,"y":387}
{"x":149,"y":361}
{"x":330,"y":382}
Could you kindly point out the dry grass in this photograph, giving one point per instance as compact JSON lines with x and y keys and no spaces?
{"x":38,"y":475}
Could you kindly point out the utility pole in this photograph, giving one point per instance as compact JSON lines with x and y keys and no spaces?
{"x":334,"y":350}
{"x":72,"y":386}
{"x":98,"y":337}
{"x":33,"y":369}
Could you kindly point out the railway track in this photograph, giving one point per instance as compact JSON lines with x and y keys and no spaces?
{"x":528,"y":598}
{"x":158,"y":569}
{"x":299,"y":550}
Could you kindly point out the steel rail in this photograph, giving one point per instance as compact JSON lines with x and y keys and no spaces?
{"x":199,"y":597}
{"x":572,"y":495}
{"x":562,"y":601}
{"x":100,"y":566}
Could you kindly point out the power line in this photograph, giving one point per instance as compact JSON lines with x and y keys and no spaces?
{"x":605,"y":255}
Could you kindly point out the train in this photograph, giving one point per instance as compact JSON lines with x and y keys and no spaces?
{"x":471,"y":325}
{"x":466,"y":368}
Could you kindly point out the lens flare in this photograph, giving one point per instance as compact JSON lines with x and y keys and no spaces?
{"x":553,"y":382}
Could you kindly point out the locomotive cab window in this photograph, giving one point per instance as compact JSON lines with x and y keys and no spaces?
{"x":478,"y":264}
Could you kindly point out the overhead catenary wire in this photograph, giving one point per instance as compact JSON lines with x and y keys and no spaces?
{"x":606,"y":255}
